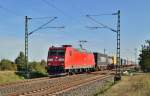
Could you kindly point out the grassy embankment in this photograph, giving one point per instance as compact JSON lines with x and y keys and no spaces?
{"x":9,"y":76}
{"x":137,"y":85}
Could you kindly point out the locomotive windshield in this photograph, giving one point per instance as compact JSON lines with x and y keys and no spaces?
{"x":56,"y":52}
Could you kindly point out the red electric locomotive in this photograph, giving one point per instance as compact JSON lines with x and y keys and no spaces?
{"x":67,"y":59}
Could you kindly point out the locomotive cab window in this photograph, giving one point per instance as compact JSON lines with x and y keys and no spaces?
{"x":52,"y":53}
{"x":56,"y":52}
{"x":61,"y":52}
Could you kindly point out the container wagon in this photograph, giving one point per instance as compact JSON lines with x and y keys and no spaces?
{"x":102,"y":61}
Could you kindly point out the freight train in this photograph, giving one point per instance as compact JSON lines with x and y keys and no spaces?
{"x":66,"y":59}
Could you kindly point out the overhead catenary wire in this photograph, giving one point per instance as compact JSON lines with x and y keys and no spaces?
{"x":9,"y":11}
{"x":103,"y":25}
{"x":53,"y":6}
{"x":94,"y":27}
{"x":53,"y":27}
{"x":60,"y":11}
{"x":42,"y":18}
{"x":103,"y":14}
{"x":40,"y":27}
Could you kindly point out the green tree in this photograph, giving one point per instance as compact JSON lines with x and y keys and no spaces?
{"x":145,"y":57}
{"x":37,"y":67}
{"x":6,"y":64}
{"x":43,"y":63}
{"x":20,"y":62}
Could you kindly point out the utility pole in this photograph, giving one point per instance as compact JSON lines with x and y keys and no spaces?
{"x":118,"y":63}
{"x":26,"y":45}
{"x":27,"y":34}
{"x":118,"y":72}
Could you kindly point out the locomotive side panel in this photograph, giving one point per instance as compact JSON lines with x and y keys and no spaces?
{"x":77,"y":59}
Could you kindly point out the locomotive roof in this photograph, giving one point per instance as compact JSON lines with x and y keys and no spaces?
{"x":83,"y":50}
{"x":68,"y":46}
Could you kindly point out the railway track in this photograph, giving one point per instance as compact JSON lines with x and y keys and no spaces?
{"x":52,"y":91}
{"x":19,"y":85}
{"x":46,"y":86}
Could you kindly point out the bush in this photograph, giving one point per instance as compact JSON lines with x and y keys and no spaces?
{"x":20,"y":62}
{"x":37,"y":67}
{"x":6,"y":64}
{"x":145,"y":57}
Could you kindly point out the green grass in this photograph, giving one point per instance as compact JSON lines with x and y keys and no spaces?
{"x":9,"y":76}
{"x":136,"y":85}
{"x":104,"y":88}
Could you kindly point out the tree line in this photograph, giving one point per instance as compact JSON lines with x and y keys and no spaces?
{"x":144,"y":59}
{"x":19,"y":64}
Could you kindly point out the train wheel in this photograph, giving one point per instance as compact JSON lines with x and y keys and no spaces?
{"x":70,"y":72}
{"x":80,"y":70}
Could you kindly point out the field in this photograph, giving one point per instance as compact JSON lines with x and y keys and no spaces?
{"x":136,"y":85}
{"x":9,"y":76}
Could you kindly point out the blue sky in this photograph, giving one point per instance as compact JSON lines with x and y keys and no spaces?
{"x":135,"y":25}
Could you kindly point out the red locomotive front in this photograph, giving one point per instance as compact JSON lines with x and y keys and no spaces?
{"x":68,"y":59}
{"x":55,"y":60}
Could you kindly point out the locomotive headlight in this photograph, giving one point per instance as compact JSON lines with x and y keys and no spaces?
{"x":61,"y":59}
{"x":50,"y":59}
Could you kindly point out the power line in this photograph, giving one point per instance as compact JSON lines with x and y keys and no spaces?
{"x":42,"y":18}
{"x":94,"y":27}
{"x":8,"y":10}
{"x":40,"y":27}
{"x":62,"y":12}
{"x":103,"y":25}
{"x":59,"y":10}
{"x":102,"y":14}
{"x":53,"y":6}
{"x":54,"y":27}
